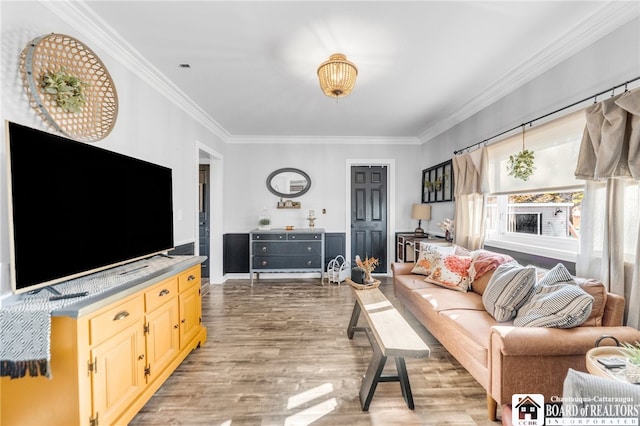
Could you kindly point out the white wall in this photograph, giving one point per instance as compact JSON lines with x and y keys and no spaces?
{"x":611,"y":60}
{"x":247,"y":167}
{"x":148,"y":126}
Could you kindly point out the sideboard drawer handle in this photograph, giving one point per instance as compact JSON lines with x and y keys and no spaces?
{"x":121,"y":315}
{"x":293,"y":237}
{"x":191,"y":277}
{"x":309,"y":262}
{"x":309,"y":249}
{"x":264,"y":249}
{"x":164,"y":292}
{"x":257,"y":237}
{"x":264,"y":263}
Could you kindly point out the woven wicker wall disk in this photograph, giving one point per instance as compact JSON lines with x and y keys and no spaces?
{"x":52,"y":53}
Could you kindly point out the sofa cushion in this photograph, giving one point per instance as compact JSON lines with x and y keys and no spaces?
{"x":444,"y":300}
{"x":474,"y":325}
{"x":557,"y":301}
{"x":479,"y":285}
{"x":483,"y":264}
{"x":452,"y":272}
{"x":428,"y":258}
{"x":508,"y":289}
{"x":598,"y":291}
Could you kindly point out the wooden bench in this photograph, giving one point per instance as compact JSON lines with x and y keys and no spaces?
{"x":390,"y":335}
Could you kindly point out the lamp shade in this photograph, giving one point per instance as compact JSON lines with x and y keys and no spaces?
{"x":421,"y":212}
{"x":337,"y":76}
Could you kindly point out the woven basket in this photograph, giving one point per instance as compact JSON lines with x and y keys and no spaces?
{"x":48,"y":54}
{"x":357,"y":286}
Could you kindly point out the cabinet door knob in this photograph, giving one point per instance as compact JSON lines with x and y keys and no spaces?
{"x":183,"y":320}
{"x":264,"y":249}
{"x":293,"y":237}
{"x":264,"y":263}
{"x":121,"y":315}
{"x":309,"y":248}
{"x":176,"y":326}
{"x":164,"y":292}
{"x":141,"y":357}
{"x":309,"y":263}
{"x":191,"y":278}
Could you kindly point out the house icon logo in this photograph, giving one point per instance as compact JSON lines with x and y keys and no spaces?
{"x":527,"y":410}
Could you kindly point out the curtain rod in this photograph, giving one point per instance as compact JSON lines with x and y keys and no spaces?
{"x":595,"y":97}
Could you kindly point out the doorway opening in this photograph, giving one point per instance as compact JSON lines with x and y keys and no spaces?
{"x":209,"y":208}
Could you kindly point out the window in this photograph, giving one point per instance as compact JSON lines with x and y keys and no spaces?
{"x":546,"y":221}
{"x":541,"y":215}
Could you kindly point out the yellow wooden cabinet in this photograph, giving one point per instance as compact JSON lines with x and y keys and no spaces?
{"x":108,"y":363}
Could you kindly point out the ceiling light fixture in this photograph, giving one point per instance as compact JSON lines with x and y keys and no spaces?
{"x":337,"y":76}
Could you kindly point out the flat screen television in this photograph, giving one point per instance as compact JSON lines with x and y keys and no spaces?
{"x":75,"y":208}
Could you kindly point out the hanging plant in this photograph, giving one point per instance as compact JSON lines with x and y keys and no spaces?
{"x":68,"y":90}
{"x":521,"y":165}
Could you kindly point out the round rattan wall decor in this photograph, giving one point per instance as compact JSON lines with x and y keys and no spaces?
{"x":95,"y":107}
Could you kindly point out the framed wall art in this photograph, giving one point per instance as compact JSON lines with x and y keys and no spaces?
{"x":437,"y":183}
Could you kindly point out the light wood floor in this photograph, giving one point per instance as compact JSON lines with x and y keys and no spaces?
{"x":277,"y":354}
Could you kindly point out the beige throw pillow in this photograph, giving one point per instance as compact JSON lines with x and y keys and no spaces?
{"x":429,"y":257}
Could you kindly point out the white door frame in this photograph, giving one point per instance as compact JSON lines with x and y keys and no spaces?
{"x":391,"y":203}
{"x":215,"y":210}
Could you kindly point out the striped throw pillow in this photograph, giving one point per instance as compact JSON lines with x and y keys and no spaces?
{"x":557,"y":302}
{"x":508,"y":289}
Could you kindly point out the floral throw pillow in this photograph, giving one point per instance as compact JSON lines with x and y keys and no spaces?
{"x":451,"y":271}
{"x":428,"y":259}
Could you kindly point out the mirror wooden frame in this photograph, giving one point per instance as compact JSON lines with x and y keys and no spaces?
{"x":288,"y":170}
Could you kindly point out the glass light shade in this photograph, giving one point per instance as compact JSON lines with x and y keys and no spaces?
{"x":337,"y":76}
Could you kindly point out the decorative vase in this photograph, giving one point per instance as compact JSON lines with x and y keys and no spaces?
{"x":447,"y":235}
{"x":632,"y":372}
{"x":368,"y":279}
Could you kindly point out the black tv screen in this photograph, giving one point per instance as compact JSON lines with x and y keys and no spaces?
{"x":77,"y":209}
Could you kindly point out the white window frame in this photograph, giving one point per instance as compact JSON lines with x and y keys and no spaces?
{"x":561,"y":248}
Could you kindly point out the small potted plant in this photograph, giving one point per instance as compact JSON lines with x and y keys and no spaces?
{"x":264,"y":224}
{"x":632,"y":354}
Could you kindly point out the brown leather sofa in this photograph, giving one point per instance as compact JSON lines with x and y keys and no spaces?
{"x":505,"y":359}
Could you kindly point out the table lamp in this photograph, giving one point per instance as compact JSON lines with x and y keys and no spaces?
{"x":420,"y":212}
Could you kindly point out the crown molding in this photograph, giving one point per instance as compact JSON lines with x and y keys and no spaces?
{"x":86,"y":22}
{"x":325,"y":140}
{"x":612,"y":15}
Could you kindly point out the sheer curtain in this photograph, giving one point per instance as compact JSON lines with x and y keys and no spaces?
{"x":609,"y":160}
{"x":471,"y":183}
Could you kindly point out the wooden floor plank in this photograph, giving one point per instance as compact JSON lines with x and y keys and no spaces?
{"x":277,"y":353}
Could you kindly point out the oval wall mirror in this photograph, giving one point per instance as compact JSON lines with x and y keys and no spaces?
{"x":288,"y":182}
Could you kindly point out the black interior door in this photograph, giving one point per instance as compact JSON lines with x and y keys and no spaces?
{"x":369,"y":213}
